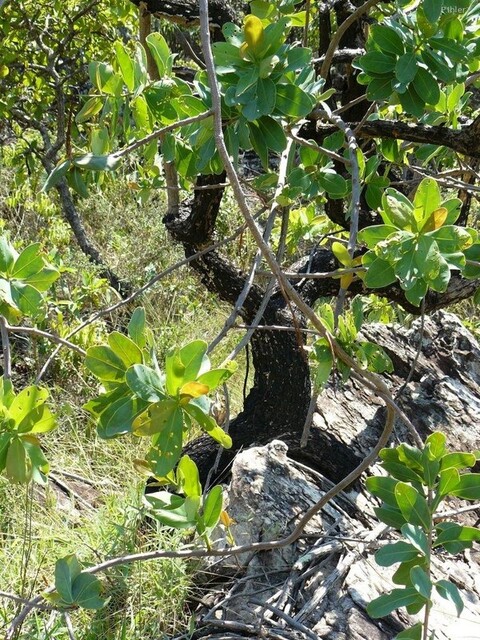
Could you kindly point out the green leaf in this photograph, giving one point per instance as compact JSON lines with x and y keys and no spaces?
{"x":273,"y":133}
{"x":105,"y":364}
{"x":216,"y":377}
{"x":8,"y":255}
{"x":324,"y":360}
{"x":412,"y":633}
{"x":125,"y":348}
{"x":421,"y":582}
{"x":458,"y":460}
{"x":416,"y":536}
{"x":334,"y":184}
{"x":167,"y":447}
{"x":194,"y":359}
{"x":387,"y":39}
{"x":212,"y":507}
{"x":380,"y":88}
{"x":406,"y":68}
{"x":266,"y":96}
{"x":426,"y":85}
{"x":449,"y":479}
{"x":376,"y":63}
{"x":455,"y":533}
{"x":56,"y":175}
{"x":136,"y":326}
{"x":397,"y":210}
{"x":391,"y":516}
{"x":146,"y":383}
{"x":160,"y":52}
{"x":371,"y":236}
{"x":17,"y":465}
{"x":432,"y":9}
{"x":437,"y":441}
{"x":118,"y":418}
{"x":27,"y":298}
{"x":384,"y":488}
{"x":449,"y":591}
{"x":384,"y":605}
{"x":293,"y":101}
{"x":427,"y":200}
{"x":208,"y":424}
{"x":91,"y":107}
{"x":397,"y":552}
{"x":67,"y":569}
{"x":468,"y":487}
{"x":96,"y":163}
{"x":86,"y":591}
{"x":156,"y":418}
{"x":380,"y":274}
{"x":413,"y":506}
{"x":174,"y":370}
{"x":188,"y":478}
{"x":125,"y":64}
{"x":412,"y":102}
{"x":26,"y":401}
{"x":28,"y":262}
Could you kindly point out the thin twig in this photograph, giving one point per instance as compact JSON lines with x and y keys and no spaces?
{"x":49,"y":336}
{"x":7,"y":361}
{"x":337,"y":36}
{"x":160,"y":132}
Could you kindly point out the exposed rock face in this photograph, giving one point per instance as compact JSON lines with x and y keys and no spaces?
{"x":320,"y":586}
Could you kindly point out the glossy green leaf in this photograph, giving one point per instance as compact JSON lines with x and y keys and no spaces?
{"x":437,"y":441}
{"x":396,"y":552}
{"x":416,"y":536}
{"x":456,"y":533}
{"x":412,"y":505}
{"x":380,"y":274}
{"x":426,"y":85}
{"x":412,"y":633}
{"x":449,"y":591}
{"x":376,"y":63}
{"x":266,"y":96}
{"x":96,"y":163}
{"x":28,"y":299}
{"x":91,"y":107}
{"x":406,"y":67}
{"x":384,"y":605}
{"x":390,"y":516}
{"x":167,"y":447}
{"x":175,"y":371}
{"x":28,"y":262}
{"x":212,"y":507}
{"x":67,"y":569}
{"x":371,"y":236}
{"x":17,"y":464}
{"x":293,"y":101}
{"x":194,"y":359}
{"x":324,"y":363}
{"x":421,"y":581}
{"x":208,"y":424}
{"x":273,"y":134}
{"x":432,"y":9}
{"x":146,"y":383}
{"x":458,"y":460}
{"x":118,"y":417}
{"x":8,"y":255}
{"x":412,"y":102}
{"x":105,"y":364}
{"x":468,"y":487}
{"x":160,"y":52}
{"x":125,"y":348}
{"x":86,"y":590}
{"x":216,"y":377}
{"x":156,"y":418}
{"x":449,"y":479}
{"x":387,"y":39}
{"x":188,"y":478}
{"x":384,"y":488}
{"x":136,"y":327}
{"x":125,"y":64}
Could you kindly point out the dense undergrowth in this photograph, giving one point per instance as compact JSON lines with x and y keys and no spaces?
{"x":93,"y":503}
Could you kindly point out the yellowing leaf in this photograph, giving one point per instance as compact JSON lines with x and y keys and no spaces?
{"x":253,"y":30}
{"x":436,"y":220}
{"x":194,"y":389}
{"x":341,"y":253}
{"x":226,"y":520}
{"x":346,"y":280}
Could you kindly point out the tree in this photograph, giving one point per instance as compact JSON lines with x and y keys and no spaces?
{"x":385,"y":103}
{"x":359,"y":117}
